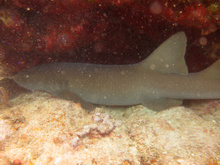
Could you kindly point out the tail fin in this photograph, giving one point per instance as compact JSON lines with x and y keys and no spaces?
{"x":212,"y":72}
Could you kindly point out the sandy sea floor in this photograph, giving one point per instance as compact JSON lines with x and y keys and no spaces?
{"x":40,"y":129}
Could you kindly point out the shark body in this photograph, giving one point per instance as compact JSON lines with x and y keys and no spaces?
{"x":161,"y":81}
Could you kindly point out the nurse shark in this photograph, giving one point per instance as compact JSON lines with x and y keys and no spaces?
{"x":159,"y":82}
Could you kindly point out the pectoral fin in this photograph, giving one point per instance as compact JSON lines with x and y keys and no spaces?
{"x":67,"y":95}
{"x":161,"y":104}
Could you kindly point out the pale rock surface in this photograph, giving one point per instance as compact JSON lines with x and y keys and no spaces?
{"x":42,"y":129}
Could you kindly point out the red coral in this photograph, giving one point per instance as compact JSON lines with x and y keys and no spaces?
{"x":194,"y":15}
{"x":117,"y":31}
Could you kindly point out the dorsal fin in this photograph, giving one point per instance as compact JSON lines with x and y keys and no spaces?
{"x":169,"y":56}
{"x":212,"y":72}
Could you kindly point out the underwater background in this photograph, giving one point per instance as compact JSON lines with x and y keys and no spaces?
{"x":39,"y":128}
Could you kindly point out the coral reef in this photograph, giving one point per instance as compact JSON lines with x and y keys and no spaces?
{"x":4,"y":96}
{"x":5,"y":130}
{"x":90,"y":31}
{"x":102,"y":125}
{"x":41,"y":129}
